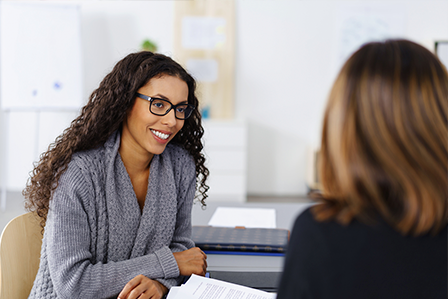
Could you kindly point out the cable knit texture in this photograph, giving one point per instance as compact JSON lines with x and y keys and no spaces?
{"x":97,"y":239}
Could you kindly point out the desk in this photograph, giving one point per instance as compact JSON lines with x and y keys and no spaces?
{"x":286,"y":213}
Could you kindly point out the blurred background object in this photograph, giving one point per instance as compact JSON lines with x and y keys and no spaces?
{"x":149,"y":45}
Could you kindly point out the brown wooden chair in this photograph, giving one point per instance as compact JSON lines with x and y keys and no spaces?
{"x":20,"y":245}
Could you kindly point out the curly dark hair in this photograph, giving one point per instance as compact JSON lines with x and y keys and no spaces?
{"x":103,"y":115}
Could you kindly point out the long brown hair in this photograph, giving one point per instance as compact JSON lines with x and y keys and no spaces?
{"x":103,"y":115}
{"x":385,"y":139}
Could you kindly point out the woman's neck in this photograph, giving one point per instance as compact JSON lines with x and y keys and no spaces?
{"x":135,"y":159}
{"x":137,"y":166}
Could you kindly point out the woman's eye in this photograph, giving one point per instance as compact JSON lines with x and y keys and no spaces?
{"x":158,"y":104}
{"x":181,"y":109}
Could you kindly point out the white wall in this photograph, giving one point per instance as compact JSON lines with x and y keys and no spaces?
{"x":288,"y":53}
{"x":287,"y":58}
{"x":112,"y":29}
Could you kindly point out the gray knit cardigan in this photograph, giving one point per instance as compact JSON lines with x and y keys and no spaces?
{"x":96,"y":238}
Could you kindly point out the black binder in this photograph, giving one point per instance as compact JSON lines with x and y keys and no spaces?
{"x":242,"y":240}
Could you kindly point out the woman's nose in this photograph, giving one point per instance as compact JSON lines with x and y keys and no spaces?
{"x":170,"y":118}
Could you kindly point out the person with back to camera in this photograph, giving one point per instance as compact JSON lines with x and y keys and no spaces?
{"x":116,"y":189}
{"x":380,"y":230}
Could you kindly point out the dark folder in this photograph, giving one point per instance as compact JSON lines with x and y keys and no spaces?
{"x":243,"y":240}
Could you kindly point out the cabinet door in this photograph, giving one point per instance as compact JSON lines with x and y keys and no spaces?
{"x":28,"y":135}
{"x":226,"y":153}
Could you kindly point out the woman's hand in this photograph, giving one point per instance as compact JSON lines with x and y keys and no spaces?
{"x":191,"y":261}
{"x":143,"y":288}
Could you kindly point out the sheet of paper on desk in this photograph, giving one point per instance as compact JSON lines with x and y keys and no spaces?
{"x":247,"y":217}
{"x":209,"y":288}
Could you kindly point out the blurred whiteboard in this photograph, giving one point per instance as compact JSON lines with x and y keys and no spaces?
{"x":358,"y":23}
{"x":40,"y":56}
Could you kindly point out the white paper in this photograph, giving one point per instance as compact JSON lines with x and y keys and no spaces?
{"x":203,"y":70}
{"x":247,"y":217}
{"x":203,"y":33}
{"x":173,"y":292}
{"x":209,"y":288}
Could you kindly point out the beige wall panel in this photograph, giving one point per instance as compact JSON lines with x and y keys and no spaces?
{"x":217,"y":95}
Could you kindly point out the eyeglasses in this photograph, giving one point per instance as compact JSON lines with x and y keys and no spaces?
{"x":161,"y":107}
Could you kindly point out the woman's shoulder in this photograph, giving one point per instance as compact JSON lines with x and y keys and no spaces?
{"x":85,"y":170}
{"x":178,"y":154}
{"x":176,"y":149}
{"x":92,"y":157}
{"x":307,"y":225}
{"x":305,"y":218}
{"x":356,"y":230}
{"x":90,"y":164}
{"x":88,"y":157}
{"x":305,"y":222}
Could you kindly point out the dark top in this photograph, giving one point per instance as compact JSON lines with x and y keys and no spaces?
{"x":328,"y":260}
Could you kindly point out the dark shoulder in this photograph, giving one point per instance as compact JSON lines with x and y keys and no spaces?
{"x":306,"y":216}
{"x":355,"y":234}
{"x":305,"y":221}
{"x":307,"y":227}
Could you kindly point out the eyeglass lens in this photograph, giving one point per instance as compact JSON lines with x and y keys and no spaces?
{"x":162,"y":107}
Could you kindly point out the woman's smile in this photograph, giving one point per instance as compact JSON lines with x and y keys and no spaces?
{"x":161,"y":136}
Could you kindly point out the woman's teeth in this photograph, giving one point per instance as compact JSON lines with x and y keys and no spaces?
{"x":160,"y":134}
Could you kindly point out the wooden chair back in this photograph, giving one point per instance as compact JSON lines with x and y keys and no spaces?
{"x":20,"y":245}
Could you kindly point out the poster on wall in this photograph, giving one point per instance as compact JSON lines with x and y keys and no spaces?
{"x":40,"y":56}
{"x":204,"y":45}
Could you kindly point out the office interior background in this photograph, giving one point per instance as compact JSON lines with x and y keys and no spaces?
{"x":286,"y":55}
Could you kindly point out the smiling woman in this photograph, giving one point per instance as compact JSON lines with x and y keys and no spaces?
{"x":115,"y":190}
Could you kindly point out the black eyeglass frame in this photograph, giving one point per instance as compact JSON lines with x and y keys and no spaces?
{"x":151,"y":99}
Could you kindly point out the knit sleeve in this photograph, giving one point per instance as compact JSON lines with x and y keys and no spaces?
{"x":72,"y":266}
{"x":187,"y":186}
{"x":186,"y":190}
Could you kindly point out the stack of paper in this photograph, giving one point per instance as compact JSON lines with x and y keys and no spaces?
{"x":247,"y":217}
{"x":209,"y":288}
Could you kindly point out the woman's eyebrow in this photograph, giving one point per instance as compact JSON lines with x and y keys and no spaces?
{"x":161,"y":96}
{"x":167,"y":99}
